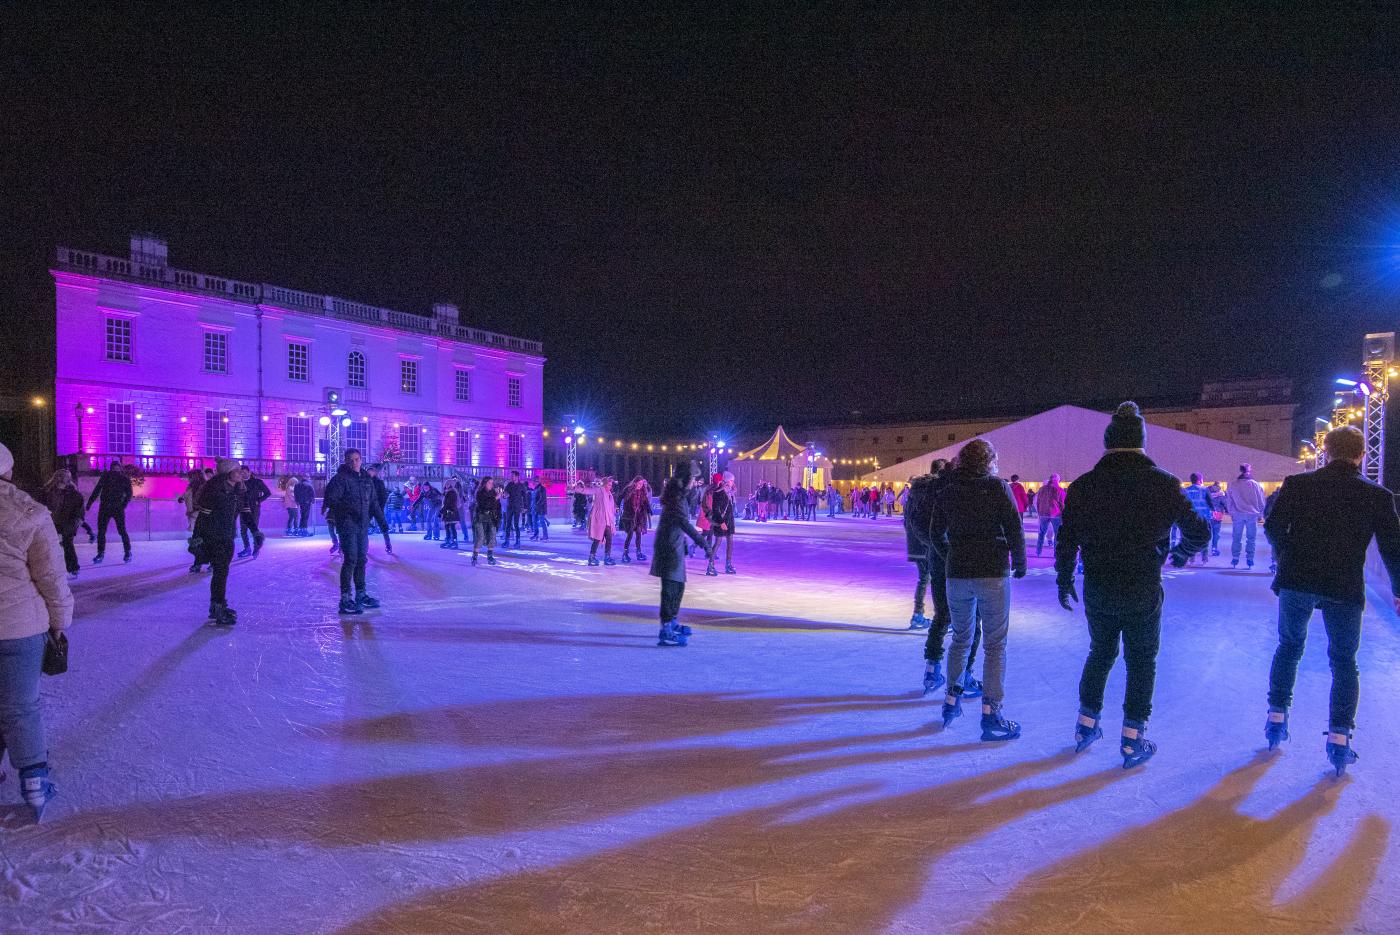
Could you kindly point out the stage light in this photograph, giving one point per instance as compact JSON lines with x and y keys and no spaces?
{"x":338,"y":412}
{"x":578,"y":430}
{"x":568,"y":439}
{"x":1342,"y":381}
{"x":345,"y":422}
{"x":325,"y":420}
{"x":1364,"y":388}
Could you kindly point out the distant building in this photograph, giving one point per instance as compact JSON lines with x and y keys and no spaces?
{"x":168,"y":369}
{"x":1254,"y":413}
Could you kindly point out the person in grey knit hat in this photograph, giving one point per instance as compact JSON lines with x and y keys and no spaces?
{"x":1119,"y":517}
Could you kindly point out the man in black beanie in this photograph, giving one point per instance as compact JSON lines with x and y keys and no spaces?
{"x":1120,"y":517}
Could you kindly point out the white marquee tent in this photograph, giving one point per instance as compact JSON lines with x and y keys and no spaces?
{"x":1068,"y":441}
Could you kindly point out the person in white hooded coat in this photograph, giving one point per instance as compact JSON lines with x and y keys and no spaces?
{"x":34,"y":601}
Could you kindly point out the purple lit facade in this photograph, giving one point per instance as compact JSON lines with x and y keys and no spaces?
{"x":169,"y":368}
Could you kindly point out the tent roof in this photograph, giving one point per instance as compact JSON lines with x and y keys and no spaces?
{"x":777,"y":447}
{"x":1068,"y":441}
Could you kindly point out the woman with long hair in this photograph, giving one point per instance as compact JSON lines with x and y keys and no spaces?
{"x":486,"y":519}
{"x":636,"y":516}
{"x":668,"y":558}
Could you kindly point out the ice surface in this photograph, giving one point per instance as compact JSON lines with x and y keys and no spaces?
{"x":506,"y":750}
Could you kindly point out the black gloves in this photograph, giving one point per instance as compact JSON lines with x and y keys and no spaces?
{"x":1067,"y":594}
{"x":1019,"y":572}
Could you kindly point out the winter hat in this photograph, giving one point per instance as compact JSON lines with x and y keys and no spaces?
{"x":225,"y":465}
{"x":1126,"y":428}
{"x":7,"y":461}
{"x":717,"y":479}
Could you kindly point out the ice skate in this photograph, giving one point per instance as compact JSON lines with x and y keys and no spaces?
{"x":933,"y":677}
{"x":1134,"y":746}
{"x":1339,"y":751}
{"x":670,"y":635}
{"x":971,"y":687}
{"x":729,"y":570}
{"x":1276,"y":727}
{"x":919,"y":622}
{"x":473,"y":558}
{"x":683,"y":629}
{"x":641,"y":557}
{"x":127,"y":558}
{"x":952,"y":710}
{"x":996,"y":727}
{"x":593,"y":561}
{"x":97,"y":559}
{"x":490,"y":558}
{"x":220,"y":615}
{"x":1234,"y":563}
{"x":366,"y":602}
{"x":245,"y":552}
{"x":609,"y":560}
{"x":626,"y":557}
{"x":35,"y":787}
{"x":1086,"y":730}
{"x":348,"y":605}
{"x":710,"y":571}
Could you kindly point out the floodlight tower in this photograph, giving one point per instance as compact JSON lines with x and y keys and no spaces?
{"x":1378,"y":355}
{"x":571,"y":433}
{"x":716,"y":443}
{"x":1320,"y":429}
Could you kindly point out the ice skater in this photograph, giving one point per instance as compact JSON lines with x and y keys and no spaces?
{"x":718,"y":509}
{"x":1119,"y":517}
{"x":65,"y":505}
{"x":112,"y":493}
{"x":918,"y":518}
{"x":351,"y":502}
{"x":602,"y":516}
{"x":486,"y":519}
{"x":253,"y":492}
{"x":674,"y":531}
{"x":1320,"y":528}
{"x":451,"y":512}
{"x":977,"y":532}
{"x":539,"y":512}
{"x":941,"y":471}
{"x":1244,"y":500}
{"x":636,"y":516}
{"x":215,"y":527}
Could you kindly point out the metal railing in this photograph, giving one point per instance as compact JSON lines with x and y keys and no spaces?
{"x":293,"y":299}
{"x":89,"y":463}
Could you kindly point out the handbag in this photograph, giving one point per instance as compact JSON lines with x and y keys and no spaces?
{"x":55,"y":653}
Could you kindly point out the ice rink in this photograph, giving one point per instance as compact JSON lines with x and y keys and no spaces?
{"x":507,"y":750}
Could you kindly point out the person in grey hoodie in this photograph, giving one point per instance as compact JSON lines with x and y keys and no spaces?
{"x":1244,"y":501}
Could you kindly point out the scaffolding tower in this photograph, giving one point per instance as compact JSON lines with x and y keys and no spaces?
{"x":1378,"y":356}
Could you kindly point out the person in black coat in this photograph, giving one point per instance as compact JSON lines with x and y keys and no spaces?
{"x":539,"y":511}
{"x":451,"y":512}
{"x":1320,"y":528}
{"x":305,"y":495}
{"x":977,"y":532}
{"x":1119,"y":519}
{"x":674,"y":533}
{"x":517,"y":499}
{"x":938,"y":586}
{"x":112,"y":494}
{"x":381,"y":493}
{"x":351,"y":502}
{"x":486,"y":519}
{"x":253,"y":492}
{"x":65,"y":504}
{"x":214,"y":530}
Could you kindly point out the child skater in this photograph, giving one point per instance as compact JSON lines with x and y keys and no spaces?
{"x":668,"y":557}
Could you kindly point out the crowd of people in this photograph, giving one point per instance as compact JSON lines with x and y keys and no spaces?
{"x":1113,"y":529}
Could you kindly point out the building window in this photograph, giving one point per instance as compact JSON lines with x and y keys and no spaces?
{"x":513,"y":392}
{"x":298,"y":438}
{"x":298,"y":362}
{"x":408,"y":376}
{"x":515,"y":451}
{"x":215,"y":352}
{"x":462,"y":452}
{"x":875,"y":439}
{"x":464,"y":386}
{"x":119,"y":339}
{"x":357,"y":437}
{"x":355,"y":370}
{"x":924,"y":438}
{"x":216,"y":433}
{"x":899,"y":439}
{"x":1242,"y":429}
{"x":952,"y":436}
{"x":411,"y":443}
{"x":121,"y":428}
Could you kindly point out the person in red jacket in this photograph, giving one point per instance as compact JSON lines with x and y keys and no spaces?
{"x":1018,"y":491}
{"x":1050,"y":507}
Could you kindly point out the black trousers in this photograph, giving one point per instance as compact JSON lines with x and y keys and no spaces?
{"x":942,"y":618}
{"x":513,"y":517}
{"x":70,"y":554}
{"x":354,"y":549}
{"x":925,"y":578}
{"x":305,"y":515}
{"x":104,"y":516}
{"x":219,"y":554}
{"x":1136,"y":620}
{"x":248,"y":519}
{"x":671,"y":594}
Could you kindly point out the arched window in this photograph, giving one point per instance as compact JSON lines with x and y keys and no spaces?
{"x":355,"y":370}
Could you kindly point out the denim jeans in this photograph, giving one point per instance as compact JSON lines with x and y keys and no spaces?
{"x":1047,"y":523}
{"x":1246,"y":527}
{"x":1215,"y":525}
{"x":992,"y":598}
{"x":1343,"y":624}
{"x":354,"y":546}
{"x":1136,"y":620}
{"x":21,"y":721}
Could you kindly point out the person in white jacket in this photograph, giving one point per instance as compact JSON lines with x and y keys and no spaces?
{"x":34,"y":600}
{"x":1244,"y":501}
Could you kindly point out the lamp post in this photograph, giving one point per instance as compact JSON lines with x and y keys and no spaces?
{"x":78,"y":413}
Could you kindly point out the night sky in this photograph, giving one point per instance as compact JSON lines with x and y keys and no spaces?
{"x":719,"y":221}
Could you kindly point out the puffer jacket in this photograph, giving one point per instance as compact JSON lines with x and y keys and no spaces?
{"x":34,"y":595}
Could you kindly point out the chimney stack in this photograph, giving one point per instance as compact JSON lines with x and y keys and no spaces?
{"x":149,"y":250}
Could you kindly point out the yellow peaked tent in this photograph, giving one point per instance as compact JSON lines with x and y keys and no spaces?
{"x":780,"y":461}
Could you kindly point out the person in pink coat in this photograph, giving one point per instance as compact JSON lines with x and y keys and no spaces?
{"x":602,"y":519}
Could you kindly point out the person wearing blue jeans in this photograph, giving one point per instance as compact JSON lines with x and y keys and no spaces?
{"x":1320,"y":527}
{"x":976,"y":532}
{"x":36,"y":602}
{"x":1245,"y":501}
